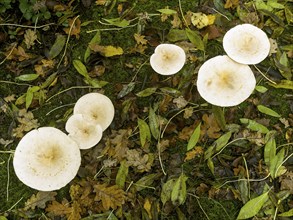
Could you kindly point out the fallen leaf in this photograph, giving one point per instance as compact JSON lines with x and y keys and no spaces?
{"x":140,"y":39}
{"x":59,"y":209}
{"x":195,"y":152}
{"x":107,"y":51}
{"x":231,"y":3}
{"x":39,"y":200}
{"x":74,"y":29}
{"x":111,"y":197}
{"x":30,"y":37}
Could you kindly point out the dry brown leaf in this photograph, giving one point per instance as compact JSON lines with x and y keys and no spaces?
{"x":29,"y":38}
{"x":75,"y":28}
{"x":176,"y":22}
{"x":210,"y":127}
{"x":17,"y":54}
{"x":59,"y":209}
{"x":197,"y":151}
{"x":39,"y":200}
{"x":135,"y":159}
{"x":111,"y":197}
{"x":286,"y":181}
{"x":231,"y":3}
{"x":44,"y":66}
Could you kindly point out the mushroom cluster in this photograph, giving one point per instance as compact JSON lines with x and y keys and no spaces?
{"x":228,"y":80}
{"x":92,"y":114}
{"x":47,"y":159}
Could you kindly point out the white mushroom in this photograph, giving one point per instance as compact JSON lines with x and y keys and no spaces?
{"x":246,"y":44}
{"x":224,"y":82}
{"x":168,"y":59}
{"x":83,"y":131}
{"x":46,"y":159}
{"x":97,"y":107}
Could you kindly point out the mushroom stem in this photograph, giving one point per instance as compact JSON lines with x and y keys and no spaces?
{"x":219,"y":116}
{"x":271,"y":81}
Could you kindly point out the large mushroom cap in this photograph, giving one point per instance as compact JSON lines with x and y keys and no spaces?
{"x":46,"y":159}
{"x":97,"y":107}
{"x":224,"y":82}
{"x":168,"y":59}
{"x":84,"y":132}
{"x":246,"y":44}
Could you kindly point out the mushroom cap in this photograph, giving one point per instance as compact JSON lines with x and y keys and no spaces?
{"x":97,"y":107}
{"x":168,"y":59}
{"x":247,"y":44}
{"x":224,"y":82}
{"x":46,"y":159}
{"x":84,"y":132}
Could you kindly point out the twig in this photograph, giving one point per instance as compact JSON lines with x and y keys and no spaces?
{"x":62,"y":106}
{"x":247,"y":174}
{"x":10,"y":52}
{"x":180,"y":8}
{"x":8,"y":178}
{"x":65,"y":90}
{"x":27,"y":26}
{"x":271,"y":81}
{"x":221,"y":14}
{"x":66,"y":44}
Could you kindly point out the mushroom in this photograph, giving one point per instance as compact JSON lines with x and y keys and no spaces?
{"x":168,"y":59}
{"x":224,"y":82}
{"x":246,"y":44}
{"x":83,"y":131}
{"x":46,"y":159}
{"x":97,"y":107}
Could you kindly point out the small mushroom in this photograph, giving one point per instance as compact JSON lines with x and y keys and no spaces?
{"x":84,"y":132}
{"x":46,"y":159}
{"x":97,"y":107}
{"x":224,"y":82}
{"x":168,"y":59}
{"x":247,"y":44}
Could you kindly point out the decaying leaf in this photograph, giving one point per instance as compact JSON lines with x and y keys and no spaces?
{"x":59,"y":209}
{"x":39,"y":200}
{"x":142,"y":163}
{"x":231,"y":3}
{"x":26,"y":123}
{"x":195,"y":152}
{"x":210,"y":127}
{"x":30,"y":37}
{"x":107,"y":51}
{"x":18,"y":54}
{"x":111,"y":197}
{"x":74,"y":28}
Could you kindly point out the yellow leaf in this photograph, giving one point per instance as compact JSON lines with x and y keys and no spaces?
{"x":111,"y":197}
{"x":140,"y":39}
{"x":107,"y":51}
{"x":147,"y":206}
{"x":211,"y":19}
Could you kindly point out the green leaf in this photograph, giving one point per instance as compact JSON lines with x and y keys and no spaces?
{"x":194,"y":138}
{"x":254,"y":126}
{"x":81,"y":69}
{"x":283,"y":84}
{"x":96,"y":83}
{"x":219,"y":116}
{"x":49,"y":80}
{"x":170,"y":91}
{"x":211,"y":165}
{"x":57,"y":46}
{"x":268,"y":111}
{"x":287,"y":214}
{"x":126,"y":89}
{"x":154,"y":123}
{"x":122,"y":174}
{"x":178,"y":194}
{"x":147,"y":92}
{"x":261,"y":89}
{"x":275,"y":4}
{"x":261,"y":5}
{"x":144,"y":132}
{"x":252,"y":207}
{"x":270,"y":147}
{"x":276,"y":162}
{"x":167,"y":190}
{"x":175,"y":35}
{"x":195,"y":39}
{"x":146,"y":181}
{"x":95,"y":40}
{"x":117,"y":22}
{"x":30,"y":95}
{"x":167,"y":11}
{"x":27,"y":77}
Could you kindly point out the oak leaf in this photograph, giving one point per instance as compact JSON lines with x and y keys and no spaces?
{"x":17,"y":54}
{"x":39,"y":200}
{"x":140,"y":39}
{"x":59,"y":209}
{"x":29,"y":38}
{"x":111,"y":197}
